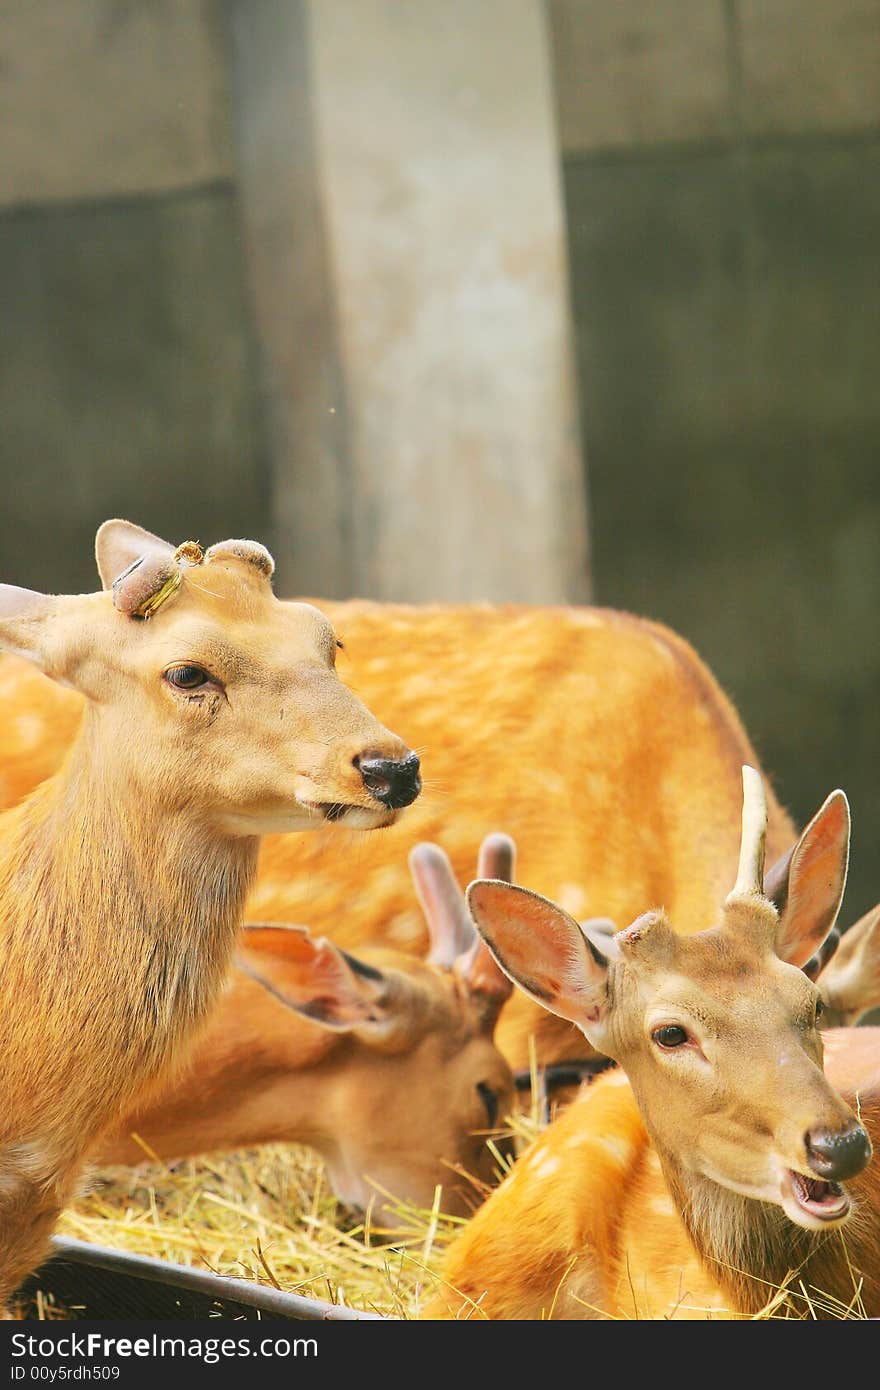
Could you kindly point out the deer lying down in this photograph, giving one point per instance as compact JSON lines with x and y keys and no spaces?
{"x":383,"y":1063}
{"x":757,"y":1177}
{"x":213,"y":714}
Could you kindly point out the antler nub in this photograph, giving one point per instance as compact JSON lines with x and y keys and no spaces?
{"x":750,"y":875}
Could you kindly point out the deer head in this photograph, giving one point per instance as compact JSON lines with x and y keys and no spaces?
{"x":717,"y":1031}
{"x":213,"y":693}
{"x":407,"y":1100}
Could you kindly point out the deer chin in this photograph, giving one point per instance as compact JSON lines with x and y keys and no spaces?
{"x":353,"y":816}
{"x":301,"y":814}
{"x":813,"y":1202}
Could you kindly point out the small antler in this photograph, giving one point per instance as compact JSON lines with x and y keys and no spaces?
{"x":750,"y":875}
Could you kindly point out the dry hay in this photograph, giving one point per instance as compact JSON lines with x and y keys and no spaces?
{"x":268,"y":1215}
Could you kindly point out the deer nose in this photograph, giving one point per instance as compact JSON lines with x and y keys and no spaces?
{"x":395,"y":782}
{"x":838,"y":1154}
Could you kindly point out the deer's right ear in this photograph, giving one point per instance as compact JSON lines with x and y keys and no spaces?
{"x":25,"y":625}
{"x":543,"y":950}
{"x":806,"y":885}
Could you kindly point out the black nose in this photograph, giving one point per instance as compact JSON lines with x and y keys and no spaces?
{"x":393,"y":781}
{"x":838,"y":1154}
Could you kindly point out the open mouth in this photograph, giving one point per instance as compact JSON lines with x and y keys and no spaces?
{"x":819,"y":1201}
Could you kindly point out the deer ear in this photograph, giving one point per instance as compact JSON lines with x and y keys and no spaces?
{"x":543,"y":950}
{"x":450,"y":928}
{"x":120,"y":544}
{"x":26,"y":628}
{"x":314,"y":978}
{"x":806,"y":885}
{"x":850,"y":982}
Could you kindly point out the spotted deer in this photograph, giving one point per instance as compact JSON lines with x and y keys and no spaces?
{"x":213,"y":714}
{"x":721,"y":1171}
{"x":604,"y":818}
{"x":383,"y":1063}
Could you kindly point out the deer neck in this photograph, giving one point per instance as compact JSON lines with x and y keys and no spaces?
{"x":118,"y":917}
{"x":762,"y":1261}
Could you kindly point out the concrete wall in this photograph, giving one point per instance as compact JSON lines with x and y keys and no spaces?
{"x":127,"y":362}
{"x":722,"y":172}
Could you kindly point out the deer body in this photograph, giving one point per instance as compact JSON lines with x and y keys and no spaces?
{"x":586,"y":1225}
{"x":726,"y":1170}
{"x":599,"y":741}
{"x":123,"y":876}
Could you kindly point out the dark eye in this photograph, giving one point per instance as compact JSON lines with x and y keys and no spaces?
{"x":490,"y":1100}
{"x":820,"y":1008}
{"x":187,"y":677}
{"x":669,"y":1036}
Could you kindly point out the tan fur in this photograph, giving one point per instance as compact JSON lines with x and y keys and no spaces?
{"x":123,"y":876}
{"x":598,"y":740}
{"x":664,"y":1191}
{"x":392,"y":1105}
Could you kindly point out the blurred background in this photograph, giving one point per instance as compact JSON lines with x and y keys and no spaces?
{"x":469,"y":299}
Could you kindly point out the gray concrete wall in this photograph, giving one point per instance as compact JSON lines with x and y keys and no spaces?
{"x":722,"y":175}
{"x":406,"y":241}
{"x":127,"y":364}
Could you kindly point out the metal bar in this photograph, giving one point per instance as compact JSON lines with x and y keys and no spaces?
{"x":268,"y":1300}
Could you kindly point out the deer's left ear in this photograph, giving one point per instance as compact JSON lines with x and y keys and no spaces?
{"x":806,"y":885}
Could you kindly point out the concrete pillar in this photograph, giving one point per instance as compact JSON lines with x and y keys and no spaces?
{"x":405,"y":232}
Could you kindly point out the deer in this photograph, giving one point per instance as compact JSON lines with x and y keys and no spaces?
{"x":212,"y":715}
{"x":722,"y":1169}
{"x":598,"y":740}
{"x":382,"y":1063}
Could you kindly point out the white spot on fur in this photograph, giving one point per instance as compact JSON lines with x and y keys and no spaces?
{"x":404,"y":930}
{"x":550,"y":1166}
{"x":662,"y":1206}
{"x":579,"y":1141}
{"x":573,"y":898}
{"x":620,"y":1149}
{"x":29,"y":729}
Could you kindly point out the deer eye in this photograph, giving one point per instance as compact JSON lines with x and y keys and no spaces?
{"x":671,"y":1035}
{"x":490,"y":1101}
{"x":187,"y":677}
{"x":820,"y":1008}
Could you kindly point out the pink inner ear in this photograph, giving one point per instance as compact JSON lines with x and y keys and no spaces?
{"x":541,"y":947}
{"x":284,"y":940}
{"x":817,"y":879}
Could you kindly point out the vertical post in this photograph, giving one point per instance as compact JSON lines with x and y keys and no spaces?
{"x":405,"y":230}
